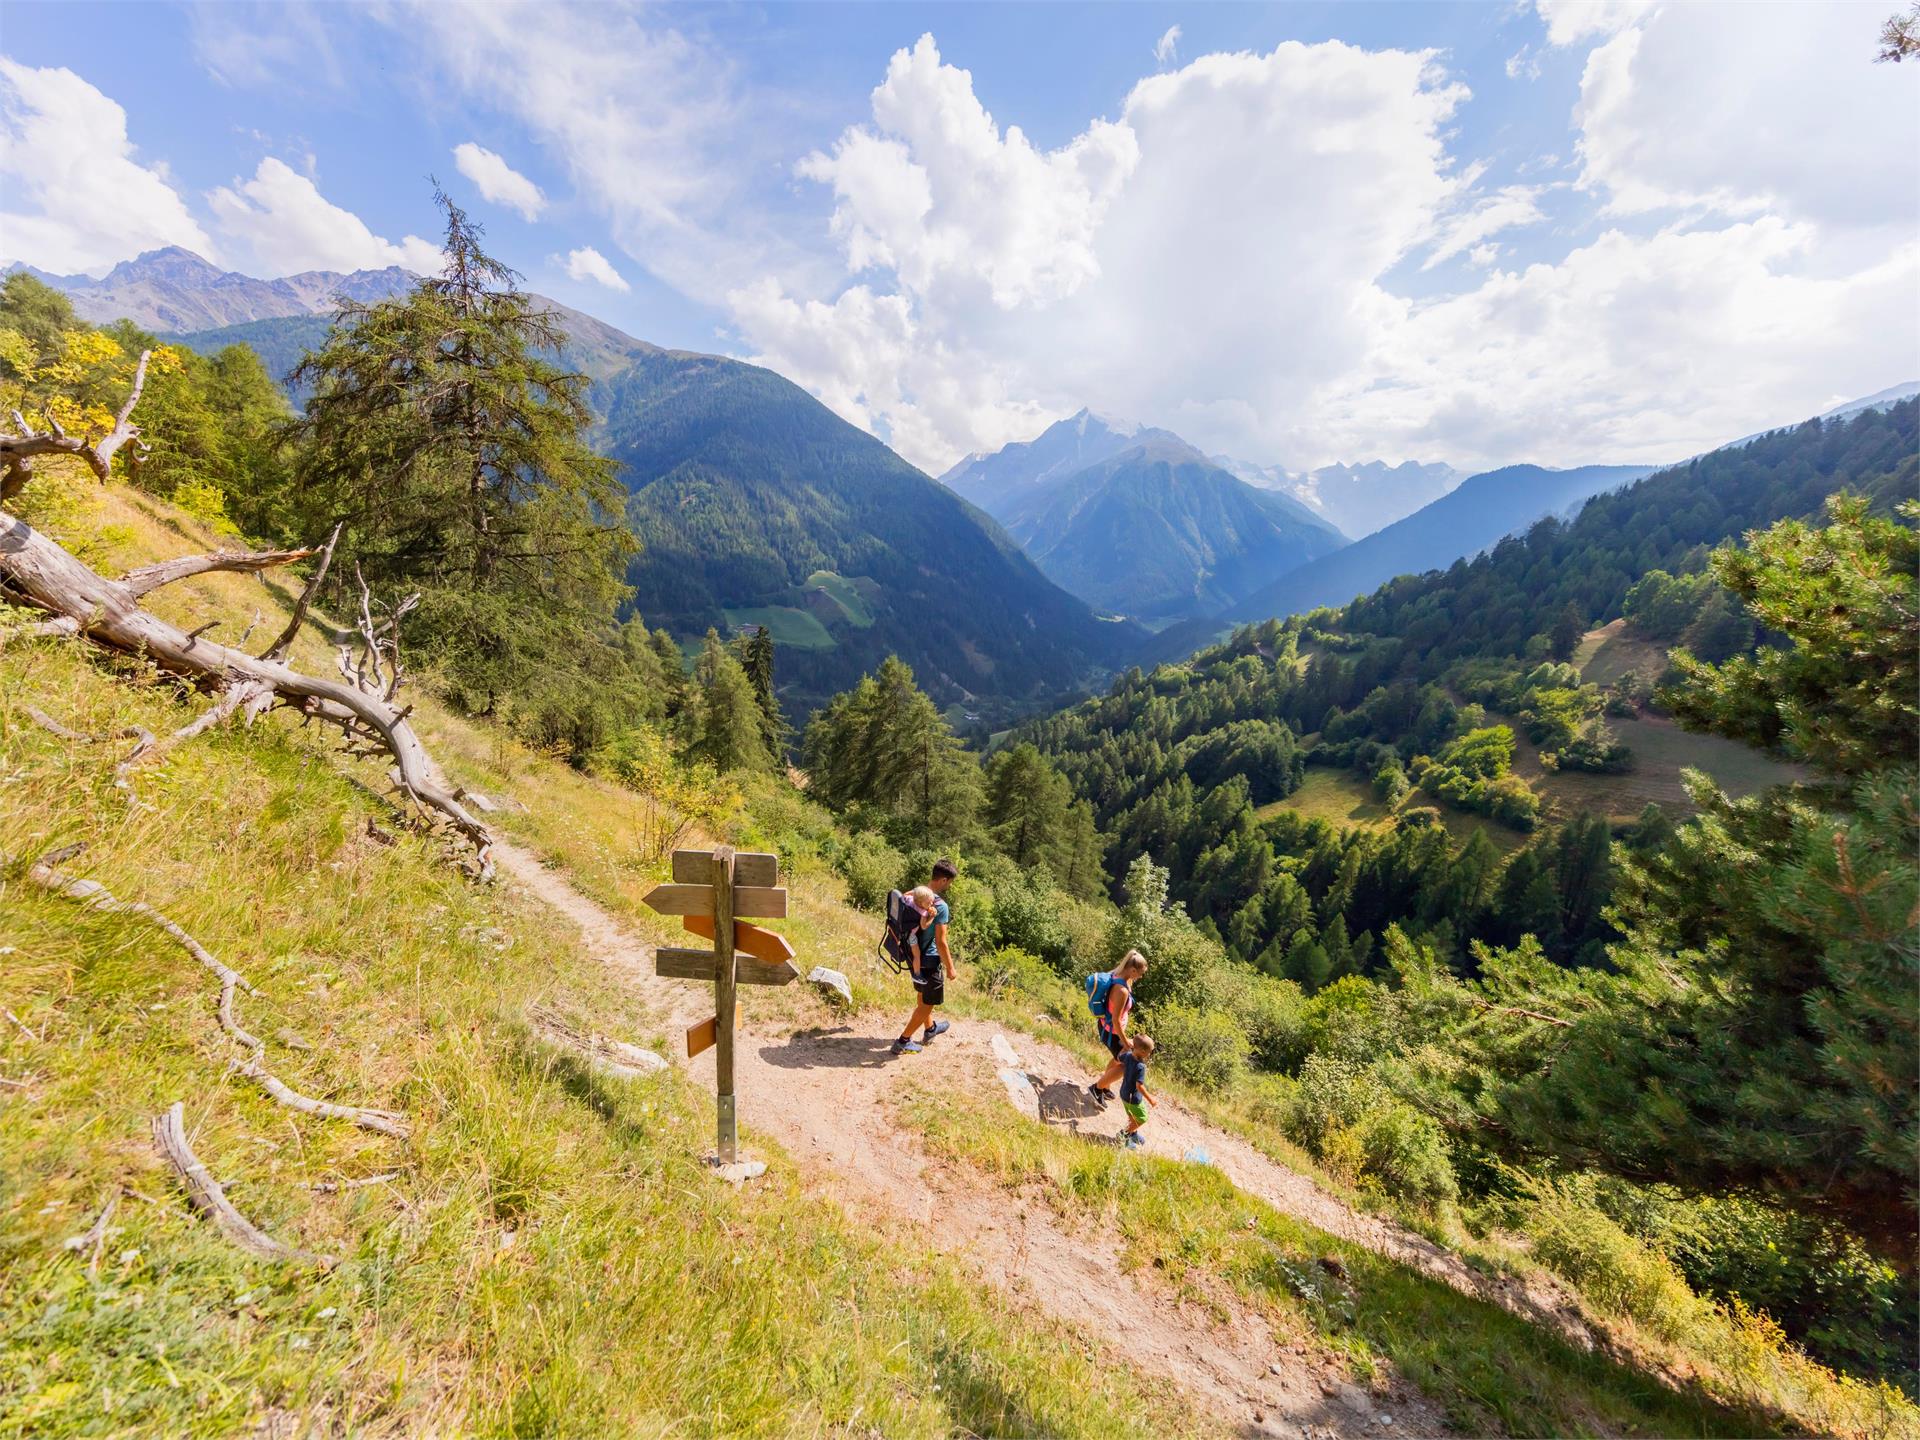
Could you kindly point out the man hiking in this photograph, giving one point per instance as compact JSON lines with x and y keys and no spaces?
{"x":1110,"y":996}
{"x":932,"y":963}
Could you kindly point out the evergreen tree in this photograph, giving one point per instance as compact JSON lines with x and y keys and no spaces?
{"x":455,"y":451}
{"x":722,"y":722}
{"x":1564,"y":638}
{"x":1026,"y":805}
{"x":883,"y":747}
{"x":756,"y":658}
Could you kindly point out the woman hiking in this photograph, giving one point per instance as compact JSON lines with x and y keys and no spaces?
{"x":1112,"y":998}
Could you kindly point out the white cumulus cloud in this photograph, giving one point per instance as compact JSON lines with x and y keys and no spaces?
{"x":1776,"y":109}
{"x":76,"y":197}
{"x":587,"y":263}
{"x":283,"y":222}
{"x":1220,"y":256}
{"x":1570,"y":21}
{"x":1467,"y":231}
{"x":1167,"y":48}
{"x":498,"y":181}
{"x":1195,"y":261}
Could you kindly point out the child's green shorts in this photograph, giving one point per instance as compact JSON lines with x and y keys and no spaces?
{"x":1135,"y":1110}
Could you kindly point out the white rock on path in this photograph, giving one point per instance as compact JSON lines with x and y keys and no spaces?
{"x":1004,"y":1052}
{"x":1020,"y":1090}
{"x":831,"y":980}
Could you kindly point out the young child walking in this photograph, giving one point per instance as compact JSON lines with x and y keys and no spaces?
{"x":1111,"y":996}
{"x":1133,"y":1089}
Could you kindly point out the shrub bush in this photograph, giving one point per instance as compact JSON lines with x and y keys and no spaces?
{"x":1010,"y":968}
{"x":871,"y":868}
{"x":1578,"y":1241}
{"x":1206,"y":1048}
{"x":1406,"y":1155}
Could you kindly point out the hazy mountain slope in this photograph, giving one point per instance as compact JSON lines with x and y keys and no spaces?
{"x":1358,"y":499}
{"x":175,"y":290}
{"x":1460,"y":523}
{"x":1002,"y":479}
{"x":1158,"y":531}
{"x":755,"y":503}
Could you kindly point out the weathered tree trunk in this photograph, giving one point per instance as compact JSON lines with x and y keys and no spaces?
{"x":38,"y":571}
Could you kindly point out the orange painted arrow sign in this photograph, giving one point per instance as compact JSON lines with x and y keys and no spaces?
{"x":748,"y":939}
{"x":706,"y":1034}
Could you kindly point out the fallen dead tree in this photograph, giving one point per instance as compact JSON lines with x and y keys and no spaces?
{"x":37,"y":571}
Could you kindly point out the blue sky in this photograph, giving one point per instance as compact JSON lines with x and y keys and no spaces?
{"x":1562,"y":232}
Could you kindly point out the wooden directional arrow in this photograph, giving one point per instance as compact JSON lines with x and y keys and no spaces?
{"x":762,"y":944}
{"x":750,"y":868}
{"x":702,"y":1037}
{"x":760,"y":901}
{"x":672,"y":963}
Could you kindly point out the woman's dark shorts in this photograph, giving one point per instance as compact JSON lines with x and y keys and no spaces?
{"x":1111,"y":1039}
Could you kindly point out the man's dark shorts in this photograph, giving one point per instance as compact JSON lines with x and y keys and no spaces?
{"x":933,"y":987}
{"x":1111,"y":1039}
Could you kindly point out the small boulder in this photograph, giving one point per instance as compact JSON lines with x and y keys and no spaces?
{"x":616,"y":1057}
{"x":1021,"y":1092}
{"x":831,"y":983}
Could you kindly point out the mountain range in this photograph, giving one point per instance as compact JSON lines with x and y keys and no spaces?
{"x":1135,"y":521}
{"x":173,"y":290}
{"x":1358,"y":499}
{"x":1466,"y":520}
{"x":754,"y":503}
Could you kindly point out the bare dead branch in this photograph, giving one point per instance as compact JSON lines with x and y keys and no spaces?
{"x":45,"y":574}
{"x":96,"y":896}
{"x":149,"y":578}
{"x":96,"y":1236}
{"x":18,"y":451}
{"x":170,"y":1135}
{"x":384,"y":1122}
{"x":284,"y":641}
{"x":1524,"y":1014}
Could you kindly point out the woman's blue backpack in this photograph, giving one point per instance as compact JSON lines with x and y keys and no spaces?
{"x":1099,"y":986}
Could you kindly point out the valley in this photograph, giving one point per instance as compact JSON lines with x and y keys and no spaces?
{"x":1523,"y":886}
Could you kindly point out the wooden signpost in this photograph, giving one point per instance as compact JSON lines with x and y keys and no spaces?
{"x":712,"y":891}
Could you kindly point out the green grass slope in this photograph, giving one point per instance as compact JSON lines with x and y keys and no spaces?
{"x":552,"y":1258}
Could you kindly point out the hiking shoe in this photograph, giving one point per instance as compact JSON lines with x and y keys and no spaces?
{"x":1105,"y":1097}
{"x":1135,"y":1140}
{"x":906,"y":1047}
{"x":939,"y":1027}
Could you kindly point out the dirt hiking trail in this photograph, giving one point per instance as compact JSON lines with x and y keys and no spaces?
{"x":829,"y":1097}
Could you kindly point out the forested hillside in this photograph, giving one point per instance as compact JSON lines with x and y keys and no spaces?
{"x":754,"y":505}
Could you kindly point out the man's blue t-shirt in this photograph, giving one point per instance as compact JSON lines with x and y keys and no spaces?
{"x":929,"y":946}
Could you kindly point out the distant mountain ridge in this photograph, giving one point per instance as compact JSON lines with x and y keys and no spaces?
{"x":1477,"y":513}
{"x":1358,"y":499}
{"x":1136,"y":521}
{"x":173,"y":289}
{"x":756,"y":505}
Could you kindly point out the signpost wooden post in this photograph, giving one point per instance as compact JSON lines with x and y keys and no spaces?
{"x":710,"y":889}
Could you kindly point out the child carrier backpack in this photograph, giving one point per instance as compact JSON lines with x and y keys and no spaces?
{"x":1099,"y":986}
{"x":903,"y":924}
